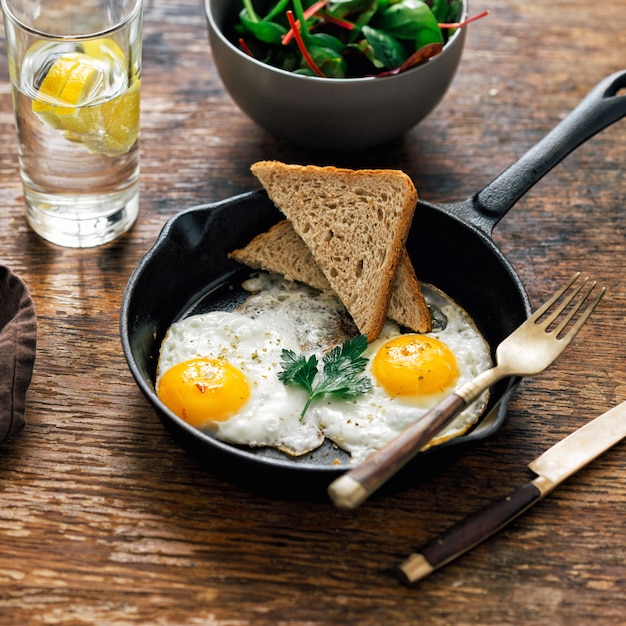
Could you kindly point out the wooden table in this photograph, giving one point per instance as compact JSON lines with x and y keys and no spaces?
{"x":105,"y":520}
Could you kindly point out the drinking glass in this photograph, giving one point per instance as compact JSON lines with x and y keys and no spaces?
{"x":75,"y":68}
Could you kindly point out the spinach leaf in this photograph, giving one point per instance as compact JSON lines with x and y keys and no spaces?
{"x":440,"y":10}
{"x":266,"y":32}
{"x":411,"y":20}
{"x":387,"y":49}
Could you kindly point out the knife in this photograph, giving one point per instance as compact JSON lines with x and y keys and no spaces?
{"x":554,"y":466}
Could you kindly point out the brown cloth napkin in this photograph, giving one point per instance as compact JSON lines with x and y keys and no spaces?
{"x":18,"y":339}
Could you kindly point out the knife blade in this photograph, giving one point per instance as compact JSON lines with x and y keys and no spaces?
{"x":553,"y":467}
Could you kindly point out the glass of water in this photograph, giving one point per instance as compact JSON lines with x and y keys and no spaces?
{"x":75,"y":69}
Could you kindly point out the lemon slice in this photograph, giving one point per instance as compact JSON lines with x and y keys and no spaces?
{"x":118,"y":120}
{"x":69,"y":81}
{"x":71,"y":98}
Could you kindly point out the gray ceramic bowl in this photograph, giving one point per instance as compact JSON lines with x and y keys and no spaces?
{"x":329,"y":113}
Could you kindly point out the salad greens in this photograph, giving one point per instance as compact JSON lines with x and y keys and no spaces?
{"x":340,"y":376}
{"x":346,"y":38}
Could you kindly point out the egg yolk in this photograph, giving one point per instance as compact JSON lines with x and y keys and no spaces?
{"x":201,"y":391}
{"x":415,"y":365}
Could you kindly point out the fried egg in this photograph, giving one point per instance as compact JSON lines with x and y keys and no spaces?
{"x":411,"y":373}
{"x":219,"y":371}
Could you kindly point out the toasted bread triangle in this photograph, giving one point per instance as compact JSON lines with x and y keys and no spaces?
{"x":283,"y":251}
{"x":354,"y":222}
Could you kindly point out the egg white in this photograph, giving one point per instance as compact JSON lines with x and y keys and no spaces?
{"x":286,"y":315}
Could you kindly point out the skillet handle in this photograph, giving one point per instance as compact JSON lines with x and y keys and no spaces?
{"x":599,"y":109}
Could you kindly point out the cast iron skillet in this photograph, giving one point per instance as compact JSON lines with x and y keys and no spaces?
{"x":187,"y":271}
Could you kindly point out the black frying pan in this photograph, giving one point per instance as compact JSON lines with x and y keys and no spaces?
{"x":187,"y":271}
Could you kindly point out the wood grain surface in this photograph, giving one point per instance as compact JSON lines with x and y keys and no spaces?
{"x":105,"y":520}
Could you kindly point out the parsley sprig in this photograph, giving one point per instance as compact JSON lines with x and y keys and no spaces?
{"x":340,"y":375}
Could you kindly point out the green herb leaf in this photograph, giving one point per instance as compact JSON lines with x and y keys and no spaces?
{"x":340,"y":376}
{"x":298,"y":370}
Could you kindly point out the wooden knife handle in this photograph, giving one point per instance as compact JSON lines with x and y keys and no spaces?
{"x":470,"y":532}
{"x":357,"y":484}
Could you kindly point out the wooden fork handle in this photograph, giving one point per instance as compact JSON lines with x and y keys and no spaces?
{"x":357,"y":484}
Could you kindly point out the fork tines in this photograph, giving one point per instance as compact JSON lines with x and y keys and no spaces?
{"x":565,"y":298}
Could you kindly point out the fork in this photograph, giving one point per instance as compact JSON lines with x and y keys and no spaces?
{"x":529,"y":350}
